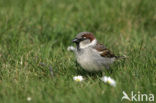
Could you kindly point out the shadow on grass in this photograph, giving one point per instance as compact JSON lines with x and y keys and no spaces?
{"x":81,"y":71}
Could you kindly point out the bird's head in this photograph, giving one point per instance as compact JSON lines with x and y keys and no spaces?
{"x":84,"y":40}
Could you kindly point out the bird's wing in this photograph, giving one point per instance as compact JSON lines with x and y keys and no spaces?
{"x":104,"y":52}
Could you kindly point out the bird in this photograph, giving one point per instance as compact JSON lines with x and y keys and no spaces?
{"x":90,"y":54}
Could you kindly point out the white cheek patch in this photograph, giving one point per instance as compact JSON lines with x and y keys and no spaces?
{"x":93,"y":43}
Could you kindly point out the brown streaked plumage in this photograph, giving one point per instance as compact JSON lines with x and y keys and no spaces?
{"x":104,"y":51}
{"x":91,"y":55}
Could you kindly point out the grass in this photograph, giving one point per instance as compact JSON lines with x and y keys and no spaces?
{"x":39,"y":31}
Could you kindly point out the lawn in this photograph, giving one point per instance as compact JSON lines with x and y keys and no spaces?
{"x":35,"y":34}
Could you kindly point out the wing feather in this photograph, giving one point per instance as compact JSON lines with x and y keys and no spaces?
{"x":104,"y":52}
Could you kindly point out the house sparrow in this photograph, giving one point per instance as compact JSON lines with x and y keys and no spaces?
{"x":91,"y":55}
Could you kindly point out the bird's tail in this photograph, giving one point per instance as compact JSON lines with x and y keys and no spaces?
{"x":121,"y":57}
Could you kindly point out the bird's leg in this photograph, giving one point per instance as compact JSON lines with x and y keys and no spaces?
{"x":76,"y":63}
{"x":103,"y":73}
{"x":108,"y":68}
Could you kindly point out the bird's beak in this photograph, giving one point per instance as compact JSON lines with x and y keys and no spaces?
{"x":75,"y":40}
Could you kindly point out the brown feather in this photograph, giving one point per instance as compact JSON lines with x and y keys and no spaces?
{"x":104,"y":50}
{"x":89,"y":36}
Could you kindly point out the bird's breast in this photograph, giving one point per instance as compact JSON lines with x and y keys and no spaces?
{"x":87,"y":60}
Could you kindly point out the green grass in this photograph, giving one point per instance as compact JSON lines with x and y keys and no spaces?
{"x":39,"y":31}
